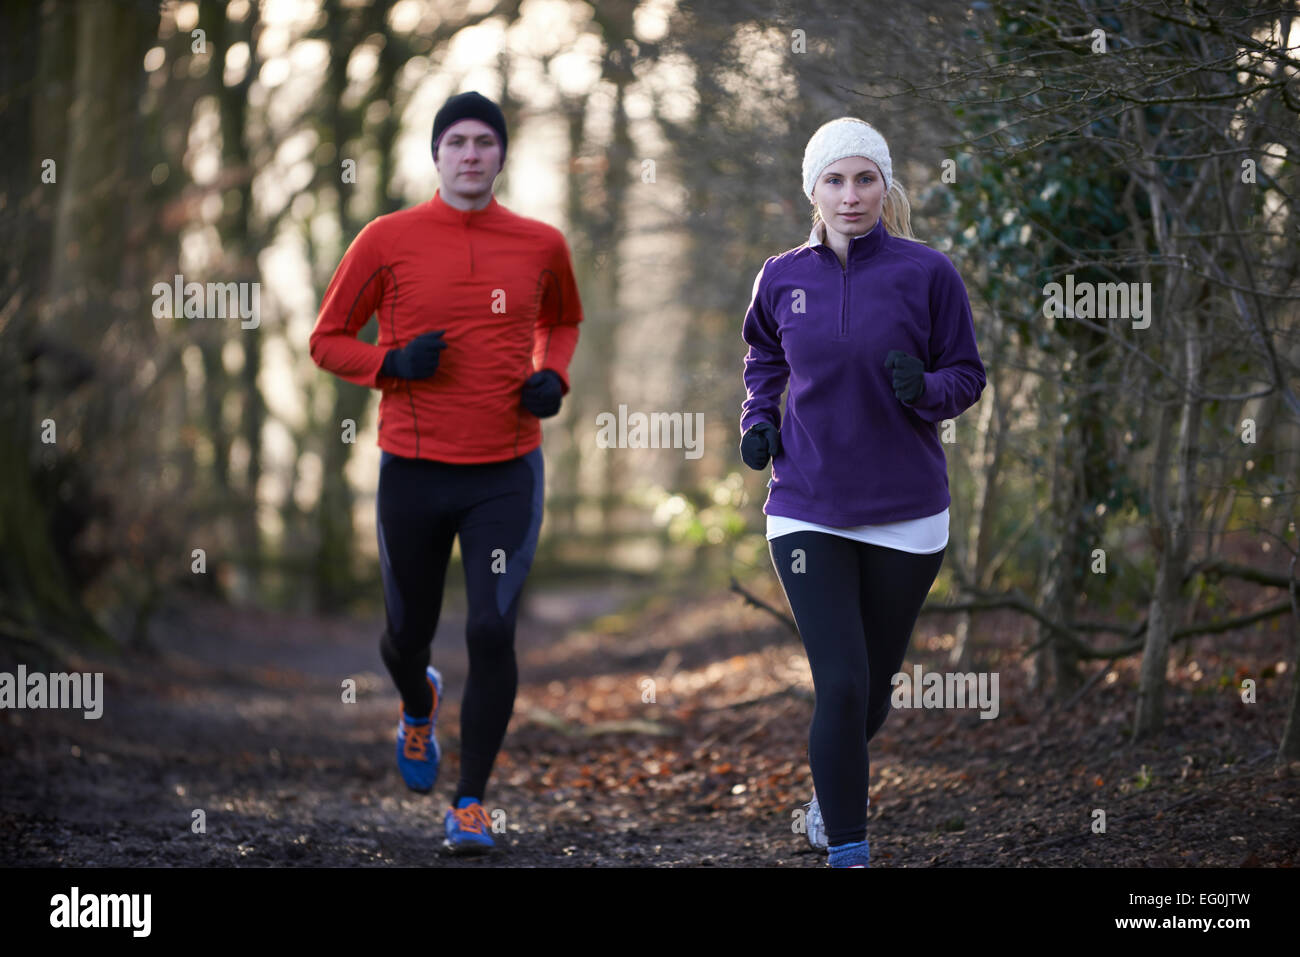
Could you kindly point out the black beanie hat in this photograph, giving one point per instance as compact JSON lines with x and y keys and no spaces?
{"x":470,"y":106}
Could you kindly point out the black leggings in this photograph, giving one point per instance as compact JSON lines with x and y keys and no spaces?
{"x":855,"y":604}
{"x":496,"y":509}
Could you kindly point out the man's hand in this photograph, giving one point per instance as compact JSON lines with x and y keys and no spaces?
{"x":760,"y":443}
{"x":542,"y":393}
{"x":909,"y":375}
{"x":418,"y":359}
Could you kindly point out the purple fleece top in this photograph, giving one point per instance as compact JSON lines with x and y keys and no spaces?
{"x":851,"y":452}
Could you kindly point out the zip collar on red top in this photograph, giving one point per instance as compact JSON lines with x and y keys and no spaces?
{"x":465,"y":217}
{"x":861,"y":248}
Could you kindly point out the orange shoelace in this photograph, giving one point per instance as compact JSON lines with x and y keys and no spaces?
{"x":471,"y":818}
{"x":417,"y":735}
{"x":417,"y":741}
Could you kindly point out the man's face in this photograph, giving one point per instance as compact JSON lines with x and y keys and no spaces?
{"x":469,"y":158}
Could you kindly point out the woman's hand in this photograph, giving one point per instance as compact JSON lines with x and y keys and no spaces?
{"x":909,"y":375}
{"x":760,"y":443}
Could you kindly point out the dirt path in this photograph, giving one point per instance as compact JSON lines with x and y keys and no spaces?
{"x":240,"y":716}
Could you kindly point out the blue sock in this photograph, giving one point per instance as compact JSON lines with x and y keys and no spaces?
{"x":464,"y":802}
{"x":849,"y":855}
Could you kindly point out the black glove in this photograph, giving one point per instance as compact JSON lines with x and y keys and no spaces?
{"x":909,"y":375}
{"x":760,"y":443}
{"x":542,"y":393}
{"x":418,"y":359}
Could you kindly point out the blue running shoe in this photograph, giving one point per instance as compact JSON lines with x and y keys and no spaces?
{"x":417,"y":745}
{"x":851,"y":855}
{"x":467,"y":828}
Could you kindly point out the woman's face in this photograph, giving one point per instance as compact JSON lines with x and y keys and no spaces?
{"x":850,"y":194}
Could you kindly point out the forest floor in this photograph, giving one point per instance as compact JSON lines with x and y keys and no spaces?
{"x":239,"y":714}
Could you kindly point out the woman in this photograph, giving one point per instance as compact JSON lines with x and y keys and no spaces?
{"x":873,"y":332}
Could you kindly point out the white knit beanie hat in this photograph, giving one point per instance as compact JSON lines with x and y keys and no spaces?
{"x":847,"y":136}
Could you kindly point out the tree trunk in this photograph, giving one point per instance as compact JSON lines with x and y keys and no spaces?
{"x":239,"y":265}
{"x":1290,"y":747}
{"x":988,"y":444}
{"x":1056,"y":669}
{"x":335,"y":577}
{"x":1173,"y":537}
{"x":87,"y":61}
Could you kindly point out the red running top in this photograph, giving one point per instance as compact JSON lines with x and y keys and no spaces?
{"x":502,"y":286}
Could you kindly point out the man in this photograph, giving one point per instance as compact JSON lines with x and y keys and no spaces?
{"x":478,"y":319}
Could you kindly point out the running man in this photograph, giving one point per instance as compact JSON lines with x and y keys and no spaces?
{"x":478,"y":320}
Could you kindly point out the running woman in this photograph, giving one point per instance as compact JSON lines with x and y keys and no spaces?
{"x":478,"y":319}
{"x":873,"y":332}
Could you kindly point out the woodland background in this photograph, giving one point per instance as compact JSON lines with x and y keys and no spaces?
{"x":1123,"y":542}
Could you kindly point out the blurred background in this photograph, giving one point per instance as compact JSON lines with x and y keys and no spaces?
{"x":236,"y":141}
